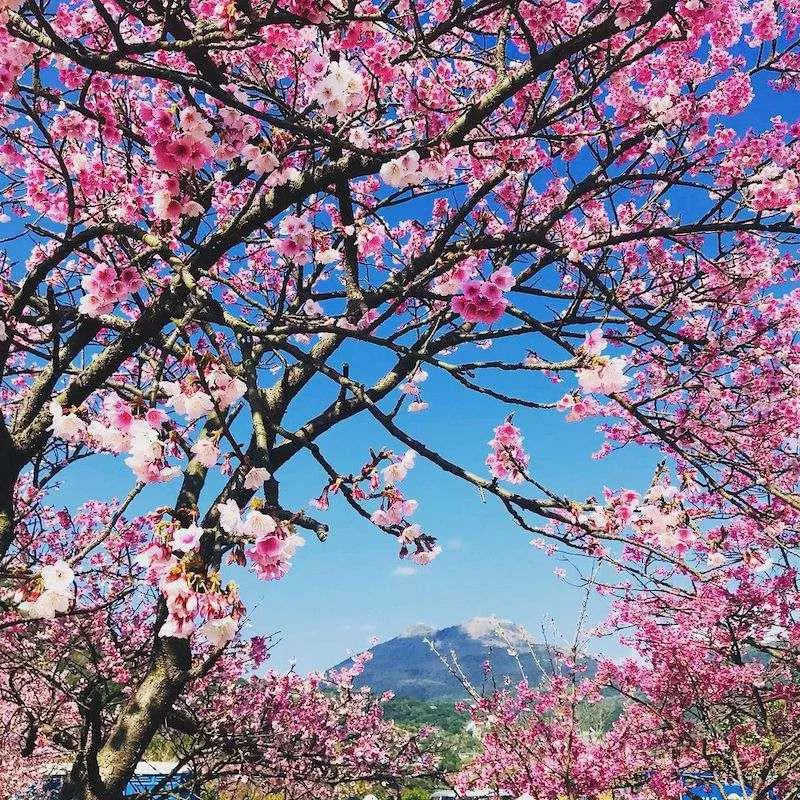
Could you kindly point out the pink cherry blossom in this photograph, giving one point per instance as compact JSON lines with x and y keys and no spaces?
{"x":187,"y":539}
{"x":69,"y":427}
{"x":256,"y":477}
{"x":206,"y":452}
{"x":605,"y":376}
{"x":403,"y":171}
{"x":507,"y":459}
{"x":481,"y":301}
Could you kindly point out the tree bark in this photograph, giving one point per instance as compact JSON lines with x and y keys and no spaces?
{"x":106,"y":773}
{"x":10,"y":465}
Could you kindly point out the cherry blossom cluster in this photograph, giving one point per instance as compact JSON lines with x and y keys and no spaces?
{"x":15,"y":58}
{"x":508,"y":459}
{"x":484,"y":301}
{"x":393,"y":515}
{"x":413,"y":389}
{"x":601,"y":375}
{"x":396,"y":509}
{"x":410,"y":170}
{"x":178,"y":149}
{"x":316,"y":722}
{"x":339,"y":89}
{"x":171,"y":563}
{"x":314,"y":734}
{"x":106,"y":286}
{"x":189,"y":595}
{"x":273,"y":546}
{"x":692,"y":699}
{"x":52,"y":591}
{"x":141,"y":433}
{"x":190,"y":399}
{"x":118,"y":430}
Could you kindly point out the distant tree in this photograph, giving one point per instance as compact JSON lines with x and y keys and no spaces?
{"x":415,"y":794}
{"x":711,"y":692}
{"x":441,"y":714}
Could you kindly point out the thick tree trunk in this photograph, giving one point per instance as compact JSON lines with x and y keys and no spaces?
{"x":6,"y":511}
{"x":10,"y":464}
{"x":107,"y":772}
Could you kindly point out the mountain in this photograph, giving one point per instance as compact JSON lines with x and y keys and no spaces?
{"x":407,"y":666}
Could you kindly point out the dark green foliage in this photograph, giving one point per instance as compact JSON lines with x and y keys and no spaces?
{"x":411,"y":713}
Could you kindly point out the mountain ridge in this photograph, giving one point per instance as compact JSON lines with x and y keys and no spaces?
{"x":408,"y":666}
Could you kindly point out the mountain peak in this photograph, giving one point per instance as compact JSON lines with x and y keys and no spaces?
{"x":418,"y":629}
{"x":495,"y":631}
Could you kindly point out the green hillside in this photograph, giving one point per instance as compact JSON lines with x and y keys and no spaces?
{"x":411,"y":713}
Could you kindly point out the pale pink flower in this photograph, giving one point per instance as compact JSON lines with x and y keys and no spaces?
{"x":395,"y":472}
{"x":606,"y":376}
{"x":595,"y":343}
{"x":206,"y":452}
{"x":403,"y":171}
{"x":230,"y":517}
{"x":410,"y":533}
{"x":155,"y":417}
{"x":107,"y":438}
{"x":187,"y":539}
{"x":197,"y":405}
{"x":256,"y":477}
{"x":218,"y":632}
{"x":157,"y":559}
{"x":69,"y":427}
{"x":258,"y":524}
{"x":45,"y":606}
{"x":426,"y":556}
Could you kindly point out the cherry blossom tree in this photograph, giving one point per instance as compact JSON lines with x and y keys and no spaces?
{"x":210,"y":207}
{"x":236,"y":734}
{"x":709,"y":700}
